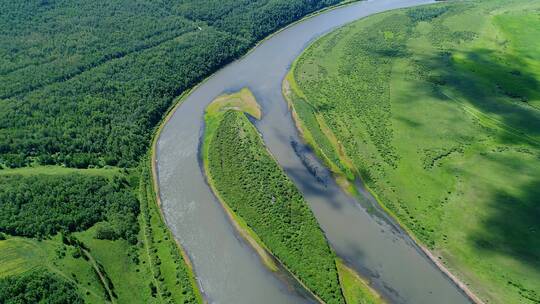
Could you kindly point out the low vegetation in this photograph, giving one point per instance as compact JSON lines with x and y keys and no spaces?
{"x":96,"y":233}
{"x":355,"y":289}
{"x":437,"y":109}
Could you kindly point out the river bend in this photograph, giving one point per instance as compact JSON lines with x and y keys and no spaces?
{"x":227,"y":269}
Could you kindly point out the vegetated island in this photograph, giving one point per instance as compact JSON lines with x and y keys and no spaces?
{"x":266,"y":207}
{"x":436,"y":108}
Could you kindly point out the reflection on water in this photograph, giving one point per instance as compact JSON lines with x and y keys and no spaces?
{"x":227,"y":269}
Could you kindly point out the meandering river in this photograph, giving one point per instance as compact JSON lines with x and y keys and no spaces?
{"x":227,"y":269}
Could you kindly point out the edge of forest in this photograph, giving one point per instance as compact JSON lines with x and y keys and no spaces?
{"x":155,"y":189}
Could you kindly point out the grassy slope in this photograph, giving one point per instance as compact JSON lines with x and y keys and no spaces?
{"x":444,"y":129}
{"x":131,"y":280}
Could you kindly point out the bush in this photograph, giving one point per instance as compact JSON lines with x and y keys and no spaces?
{"x":38,"y":286}
{"x":104,"y":231}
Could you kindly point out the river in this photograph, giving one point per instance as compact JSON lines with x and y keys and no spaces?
{"x":227,"y":269}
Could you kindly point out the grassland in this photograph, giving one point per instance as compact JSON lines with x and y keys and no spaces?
{"x":149,"y":270}
{"x":355,"y":289}
{"x":266,"y":206}
{"x":436,"y":109}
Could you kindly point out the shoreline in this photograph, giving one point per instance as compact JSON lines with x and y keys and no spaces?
{"x":339,"y":177}
{"x":175,"y":105}
{"x":265,"y":254}
{"x":155,"y":189}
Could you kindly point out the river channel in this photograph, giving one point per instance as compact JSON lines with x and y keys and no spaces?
{"x":227,"y":269}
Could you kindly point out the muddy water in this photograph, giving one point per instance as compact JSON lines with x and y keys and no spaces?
{"x":227,"y":269}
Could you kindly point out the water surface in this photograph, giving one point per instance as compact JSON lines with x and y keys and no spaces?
{"x":227,"y":269}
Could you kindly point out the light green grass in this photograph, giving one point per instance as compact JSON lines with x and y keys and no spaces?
{"x":355,"y":289}
{"x":242,"y":100}
{"x":130,"y":285}
{"x":19,"y":255}
{"x":438,"y":110}
{"x":131,"y":268}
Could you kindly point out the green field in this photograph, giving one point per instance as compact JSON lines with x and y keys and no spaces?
{"x":437,"y":108}
{"x":104,"y":263}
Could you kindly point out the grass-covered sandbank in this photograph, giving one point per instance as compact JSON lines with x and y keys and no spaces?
{"x":436,"y":109}
{"x":96,"y":233}
{"x":264,"y":204}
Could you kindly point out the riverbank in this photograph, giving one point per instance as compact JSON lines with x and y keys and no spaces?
{"x":242,"y":102}
{"x":188,"y":200}
{"x":348,"y":186}
{"x":426,"y":146}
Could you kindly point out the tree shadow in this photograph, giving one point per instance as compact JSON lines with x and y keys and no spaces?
{"x":498,"y":85}
{"x":513,"y":226}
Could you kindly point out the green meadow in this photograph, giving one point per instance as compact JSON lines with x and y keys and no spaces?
{"x":437,"y":109}
{"x":100,"y":255}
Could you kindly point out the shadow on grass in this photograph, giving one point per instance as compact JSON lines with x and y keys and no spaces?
{"x":498,"y":85}
{"x":513,"y":226}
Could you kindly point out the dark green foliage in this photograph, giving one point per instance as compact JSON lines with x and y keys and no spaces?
{"x":426,"y":14}
{"x":256,"y":188}
{"x":44,"y":205}
{"x":38,"y":286}
{"x":84,"y":82}
{"x":105,"y":231}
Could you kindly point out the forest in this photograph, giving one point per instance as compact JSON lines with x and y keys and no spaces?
{"x":39,"y":206}
{"x":100,"y":230}
{"x":38,"y":286}
{"x":84,"y":83}
{"x":255,"y":187}
{"x":436,"y":110}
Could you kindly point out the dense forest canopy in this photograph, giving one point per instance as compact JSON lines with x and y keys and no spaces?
{"x":38,"y":206}
{"x":82,"y":83}
{"x":38,"y":286}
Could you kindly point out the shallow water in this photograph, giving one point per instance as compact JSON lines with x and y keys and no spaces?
{"x":227,"y":269}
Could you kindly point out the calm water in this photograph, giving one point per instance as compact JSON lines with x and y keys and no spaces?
{"x":227,"y":269}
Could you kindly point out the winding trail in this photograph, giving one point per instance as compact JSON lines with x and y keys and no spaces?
{"x":227,"y":269}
